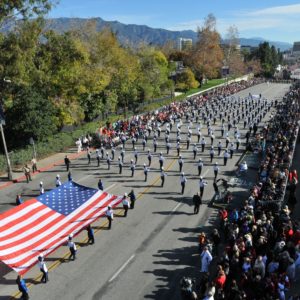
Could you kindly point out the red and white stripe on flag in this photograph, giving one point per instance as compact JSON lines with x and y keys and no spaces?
{"x":33,"y":228}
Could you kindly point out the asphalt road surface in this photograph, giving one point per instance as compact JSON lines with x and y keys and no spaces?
{"x":145,"y":254}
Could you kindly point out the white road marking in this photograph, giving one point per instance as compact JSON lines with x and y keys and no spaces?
{"x":205,"y":173}
{"x":108,"y":188}
{"x":122,"y":268}
{"x":87,"y":176}
{"x":175,"y":207}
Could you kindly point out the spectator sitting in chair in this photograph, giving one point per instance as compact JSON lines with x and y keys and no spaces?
{"x":243,"y":167}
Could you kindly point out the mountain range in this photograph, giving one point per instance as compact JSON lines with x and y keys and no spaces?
{"x":134,"y":34}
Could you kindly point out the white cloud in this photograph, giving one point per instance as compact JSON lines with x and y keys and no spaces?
{"x":245,"y":24}
{"x":192,"y":24}
{"x":275,"y":22}
{"x":277,"y":10}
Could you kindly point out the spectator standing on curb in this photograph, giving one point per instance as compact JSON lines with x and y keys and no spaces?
{"x":67,"y":162}
{"x":43,"y":269}
{"x":22,"y":287}
{"x":90,"y":233}
{"x":216,"y":239}
{"x":78,"y":145}
{"x":27,"y":173}
{"x":206,"y":259}
{"x":197,"y":202}
{"x":109,"y":215}
{"x":34,"y":165}
{"x":72,"y":247}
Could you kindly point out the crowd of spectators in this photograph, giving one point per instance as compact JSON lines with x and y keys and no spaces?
{"x":261,"y":257}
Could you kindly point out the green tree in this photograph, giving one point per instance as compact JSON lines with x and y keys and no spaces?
{"x":31,"y":115}
{"x":154,"y":72}
{"x":269,"y":58}
{"x":186,"y":80}
{"x":23,"y":8}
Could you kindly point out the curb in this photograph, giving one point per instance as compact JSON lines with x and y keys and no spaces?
{"x":46,"y":168}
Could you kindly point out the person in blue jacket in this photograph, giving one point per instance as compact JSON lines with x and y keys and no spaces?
{"x":22,"y":287}
{"x":19,"y":200}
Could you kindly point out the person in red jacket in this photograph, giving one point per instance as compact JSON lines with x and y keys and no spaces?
{"x":221,"y":278}
{"x":293,"y":177}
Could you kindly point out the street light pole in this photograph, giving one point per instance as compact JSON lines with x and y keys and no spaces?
{"x":9,"y":169}
{"x":31,"y":141}
{"x":2,"y":122}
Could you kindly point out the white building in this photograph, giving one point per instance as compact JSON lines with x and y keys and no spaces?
{"x":184,"y":44}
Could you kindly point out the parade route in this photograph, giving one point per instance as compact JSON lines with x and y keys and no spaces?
{"x":145,"y":254}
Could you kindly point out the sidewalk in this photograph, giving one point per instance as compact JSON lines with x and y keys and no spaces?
{"x":43,"y":165}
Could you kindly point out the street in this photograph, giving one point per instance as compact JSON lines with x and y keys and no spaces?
{"x":145,"y":254}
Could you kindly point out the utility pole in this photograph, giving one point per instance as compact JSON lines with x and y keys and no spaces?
{"x":9,"y":169}
{"x":31,"y":142}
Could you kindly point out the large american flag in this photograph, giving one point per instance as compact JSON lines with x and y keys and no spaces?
{"x":42,"y":224}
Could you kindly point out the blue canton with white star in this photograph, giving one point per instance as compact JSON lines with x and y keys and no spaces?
{"x":67,"y":197}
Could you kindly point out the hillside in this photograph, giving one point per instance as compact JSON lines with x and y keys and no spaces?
{"x":134,"y":34}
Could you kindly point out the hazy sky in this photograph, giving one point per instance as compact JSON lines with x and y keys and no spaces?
{"x":277,"y":20}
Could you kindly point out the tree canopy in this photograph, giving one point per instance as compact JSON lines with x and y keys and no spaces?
{"x":57,"y":79}
{"x":207,"y":55}
{"x":23,"y":8}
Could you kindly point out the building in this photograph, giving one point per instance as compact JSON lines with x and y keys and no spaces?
{"x":296,"y":49}
{"x":184,"y":44}
{"x":292,"y":56}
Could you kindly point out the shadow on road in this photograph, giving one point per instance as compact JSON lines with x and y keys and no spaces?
{"x":174,"y":264}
